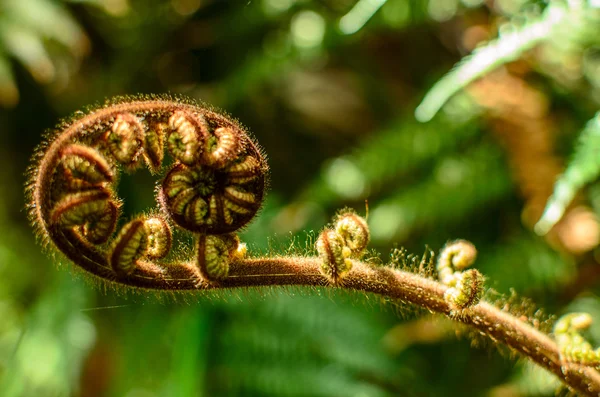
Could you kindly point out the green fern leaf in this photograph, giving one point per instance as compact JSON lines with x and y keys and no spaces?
{"x":583,"y":168}
{"x":508,"y":47}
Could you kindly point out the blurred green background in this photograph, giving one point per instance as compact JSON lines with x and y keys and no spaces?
{"x":329,"y":88}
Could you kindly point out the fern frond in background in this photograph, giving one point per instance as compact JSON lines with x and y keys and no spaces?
{"x":567,"y":27}
{"x":370,"y":170}
{"x":45,"y":38}
{"x":509,"y":46}
{"x":583,"y":168}
{"x":61,"y":339}
{"x":452,"y":186}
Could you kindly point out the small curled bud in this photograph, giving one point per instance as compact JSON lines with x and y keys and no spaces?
{"x":456,"y":255}
{"x":94,"y":212}
{"x":465,"y":287}
{"x":128,"y":247}
{"x":202,"y":199}
{"x":461,"y":253}
{"x":334,"y":255}
{"x":354,"y":231}
{"x":467,"y":291}
{"x":139,"y":239}
{"x":222,"y":148}
{"x":215,"y":253}
{"x":85,"y":167}
{"x":99,"y":227}
{"x":573,"y":346}
{"x":188,"y":131}
{"x":244,"y":171}
{"x":125,"y":139}
{"x":159,"y":238}
{"x":154,"y":146}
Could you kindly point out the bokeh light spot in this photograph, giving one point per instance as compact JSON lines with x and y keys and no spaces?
{"x":345,"y":178}
{"x":308,"y":29}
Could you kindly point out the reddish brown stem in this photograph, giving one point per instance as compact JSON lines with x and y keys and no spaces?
{"x":500,"y":326}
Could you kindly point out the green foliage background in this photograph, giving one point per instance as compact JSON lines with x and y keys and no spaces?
{"x":329,"y":89}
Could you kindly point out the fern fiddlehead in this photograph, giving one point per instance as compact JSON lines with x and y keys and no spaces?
{"x":214,"y":186}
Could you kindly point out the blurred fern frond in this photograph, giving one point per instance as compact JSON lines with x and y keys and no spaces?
{"x":540,"y":268}
{"x":453,"y":191}
{"x":359,"y":15}
{"x":583,"y":168}
{"x":44,"y":37}
{"x":382,"y":164}
{"x":54,"y":340}
{"x":287,"y":345}
{"x":567,"y":26}
{"x":290,"y":346}
{"x":378,"y":163}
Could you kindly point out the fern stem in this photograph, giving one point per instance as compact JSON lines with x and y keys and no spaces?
{"x":498,"y":325}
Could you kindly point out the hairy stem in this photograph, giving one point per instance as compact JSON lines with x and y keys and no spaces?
{"x":495,"y":323}
{"x":498,"y":325}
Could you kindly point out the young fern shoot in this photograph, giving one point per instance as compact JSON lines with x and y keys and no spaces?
{"x":214,"y":186}
{"x":573,"y":346}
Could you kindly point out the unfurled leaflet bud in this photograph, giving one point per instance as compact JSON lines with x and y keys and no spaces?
{"x":215,"y":253}
{"x":222,"y":148}
{"x":154,"y":146}
{"x":334,"y":255}
{"x":354,"y":231}
{"x":142,"y":238}
{"x":94,"y":211}
{"x":188,"y":132}
{"x":85,"y":167}
{"x":456,"y":255}
{"x":573,"y":346}
{"x":125,"y":140}
{"x":467,"y":290}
